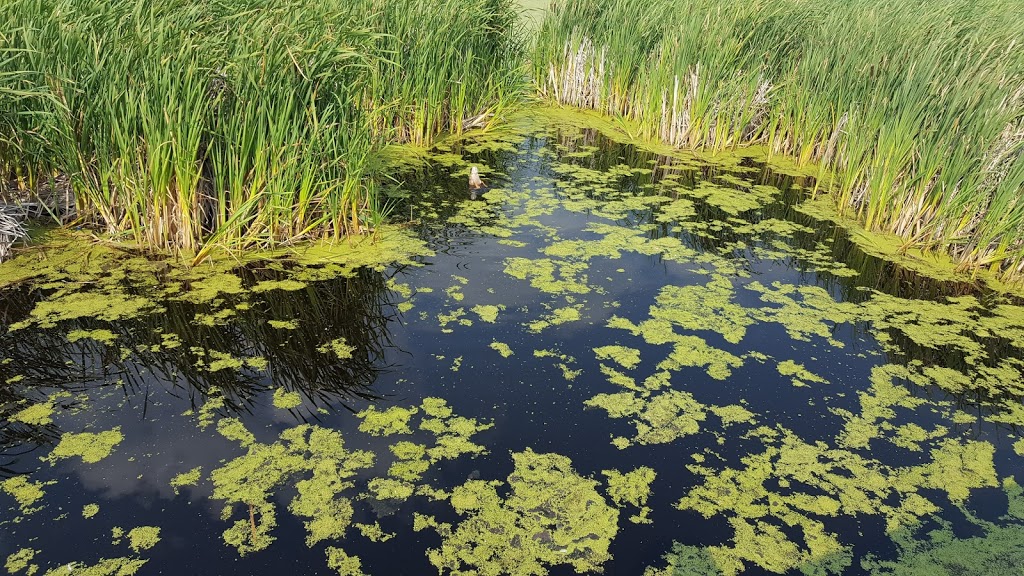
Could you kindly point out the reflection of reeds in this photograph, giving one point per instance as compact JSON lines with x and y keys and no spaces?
{"x":355,"y":309}
{"x":915,"y":106}
{"x":244,"y":123}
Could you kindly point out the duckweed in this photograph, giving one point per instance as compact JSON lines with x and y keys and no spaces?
{"x":286,"y":400}
{"x":344,"y":564}
{"x":501,"y":348}
{"x":90,"y":447}
{"x":90,"y":510}
{"x":551,"y":516}
{"x":22,"y":561}
{"x":394,"y":420}
{"x":143,"y":538}
{"x":633,"y":488}
{"x":26,"y":492}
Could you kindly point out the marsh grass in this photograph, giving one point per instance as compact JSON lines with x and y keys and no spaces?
{"x":197,"y":124}
{"x":916,"y":108}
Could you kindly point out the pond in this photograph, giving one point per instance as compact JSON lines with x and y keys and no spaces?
{"x":609,"y":358}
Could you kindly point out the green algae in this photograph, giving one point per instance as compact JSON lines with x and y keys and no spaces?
{"x":102,"y":336}
{"x":285,"y":285}
{"x":143,"y":538}
{"x":373,"y":532}
{"x":565,"y":365}
{"x":22,"y":561}
{"x":686,"y":561}
{"x":633,"y":488}
{"x":551,"y":516}
{"x":816,"y":482}
{"x":314,"y":454}
{"x":25,"y":492}
{"x":733,"y":201}
{"x":345,"y":565}
{"x":501,"y":348}
{"x":105,"y":567}
{"x":391,"y":489}
{"x":284,"y":324}
{"x":557,"y":317}
{"x":993,"y":549}
{"x":36,"y":414}
{"x":487,"y":313}
{"x":892,"y":248}
{"x":90,"y":510}
{"x":456,"y":316}
{"x":997,"y":553}
{"x":339,"y":348}
{"x":90,"y":447}
{"x":801,"y":376}
{"x":394,"y":420}
{"x":664,"y":417}
{"x":550,"y":276}
{"x":624,"y":356}
{"x":285,"y":400}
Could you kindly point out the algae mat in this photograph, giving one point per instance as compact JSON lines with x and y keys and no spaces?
{"x":610,"y":359}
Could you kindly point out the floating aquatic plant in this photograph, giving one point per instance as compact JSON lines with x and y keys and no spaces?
{"x":551,"y":516}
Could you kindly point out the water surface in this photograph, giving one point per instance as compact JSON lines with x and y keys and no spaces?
{"x":606,"y":356}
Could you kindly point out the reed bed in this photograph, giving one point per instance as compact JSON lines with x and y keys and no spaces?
{"x":195,"y":124}
{"x":914,"y":107}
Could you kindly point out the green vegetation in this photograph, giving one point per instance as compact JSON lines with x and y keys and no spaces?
{"x":914,"y":107}
{"x":187,"y":125}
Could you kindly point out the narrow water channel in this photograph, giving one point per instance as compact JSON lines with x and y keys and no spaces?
{"x":603,"y":352}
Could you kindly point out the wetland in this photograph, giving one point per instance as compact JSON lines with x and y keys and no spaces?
{"x":612,"y":358}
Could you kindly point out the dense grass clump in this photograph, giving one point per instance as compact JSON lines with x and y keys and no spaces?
{"x":189,"y":124}
{"x":916,"y":107}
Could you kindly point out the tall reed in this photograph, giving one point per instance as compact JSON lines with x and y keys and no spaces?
{"x":194,"y":124}
{"x":916,"y":107}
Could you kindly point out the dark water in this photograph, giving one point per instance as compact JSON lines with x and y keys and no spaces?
{"x":558,"y":181}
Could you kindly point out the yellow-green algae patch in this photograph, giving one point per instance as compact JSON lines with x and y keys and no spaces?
{"x":39,"y":414}
{"x":105,"y":567}
{"x":795,"y":483}
{"x":801,"y":376}
{"x":373,"y":532}
{"x":624,"y":356}
{"x":26,"y":492}
{"x":286,"y":285}
{"x":91,"y":447}
{"x":487,"y":313}
{"x":633,"y":488}
{"x":108,"y":306}
{"x":90,"y":510}
{"x":190,"y":478}
{"x":315,"y":454}
{"x":501,"y":348}
{"x":551,"y":516}
{"x":345,"y":565}
{"x":101,"y":335}
{"x":339,"y":348}
{"x":994,"y":549}
{"x":286,"y":400}
{"x":565,"y":365}
{"x":143,"y":538}
{"x":394,"y":420}
{"x":22,"y":561}
{"x":283,"y":324}
{"x":557,"y":317}
{"x":932,"y":264}
{"x":664,"y":417}
{"x":550,"y":276}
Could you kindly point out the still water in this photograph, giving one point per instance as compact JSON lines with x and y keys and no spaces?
{"x":606,"y":359}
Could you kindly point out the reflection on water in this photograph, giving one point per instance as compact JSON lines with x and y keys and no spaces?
{"x":610,"y":355}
